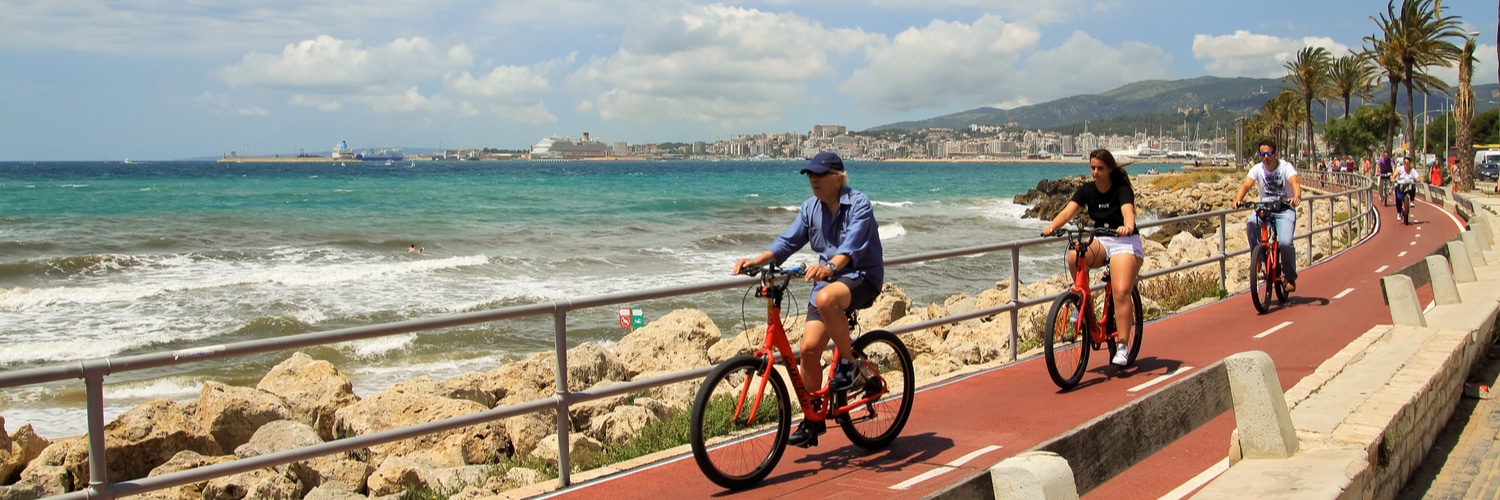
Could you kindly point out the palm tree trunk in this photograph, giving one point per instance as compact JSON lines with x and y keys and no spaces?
{"x":1390,"y":128}
{"x":1411,"y":126}
{"x":1312,"y":150}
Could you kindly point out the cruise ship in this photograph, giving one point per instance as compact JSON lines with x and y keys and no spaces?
{"x":387,"y":155}
{"x":563,"y":148}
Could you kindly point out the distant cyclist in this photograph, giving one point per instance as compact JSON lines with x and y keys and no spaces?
{"x":1278,"y":180}
{"x":839,"y":223}
{"x":1406,"y":185}
{"x":1383,"y":165}
{"x":1110,"y":201}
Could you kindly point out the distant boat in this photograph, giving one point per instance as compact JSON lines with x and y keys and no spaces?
{"x":390,"y":162}
{"x":127,"y":161}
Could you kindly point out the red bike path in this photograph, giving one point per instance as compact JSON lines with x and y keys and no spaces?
{"x":966,"y":425}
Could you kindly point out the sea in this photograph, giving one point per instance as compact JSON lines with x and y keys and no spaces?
{"x":101,"y":259}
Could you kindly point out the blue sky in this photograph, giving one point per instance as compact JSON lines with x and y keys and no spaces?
{"x":158,"y":79}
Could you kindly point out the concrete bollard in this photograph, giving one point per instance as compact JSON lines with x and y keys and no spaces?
{"x":1444,"y":289}
{"x":1401,"y":294}
{"x":1034,"y":475}
{"x":1458,"y":256}
{"x":1484,"y":228}
{"x":1260,"y":412}
{"x":1471,"y":242}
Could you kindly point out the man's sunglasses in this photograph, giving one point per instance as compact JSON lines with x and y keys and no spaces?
{"x":1267,"y":154}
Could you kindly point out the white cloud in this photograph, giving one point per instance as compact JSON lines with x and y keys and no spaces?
{"x":713,"y":64}
{"x":509,"y":92}
{"x":943,"y":63}
{"x":325,"y":73}
{"x":1085,"y":65}
{"x":1251,"y":55}
{"x":253,"y":111}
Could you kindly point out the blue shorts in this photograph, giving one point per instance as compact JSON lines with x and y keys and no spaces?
{"x":862,"y":294}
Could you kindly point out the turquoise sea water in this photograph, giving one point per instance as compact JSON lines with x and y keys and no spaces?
{"x":104,"y":259}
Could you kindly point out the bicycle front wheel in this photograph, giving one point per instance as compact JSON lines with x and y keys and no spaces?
{"x":1066,"y":341}
{"x":874,"y":425}
{"x":1260,"y":279}
{"x":731,"y":418}
{"x":1130,"y":340}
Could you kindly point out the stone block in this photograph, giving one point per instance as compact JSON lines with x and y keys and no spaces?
{"x":1472,"y":244}
{"x":1401,"y":294}
{"x":1444,"y":289}
{"x":1463,"y":269}
{"x":1036,"y":475}
{"x":1260,"y":412}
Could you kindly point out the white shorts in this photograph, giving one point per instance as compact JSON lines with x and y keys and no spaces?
{"x":1114,"y":245}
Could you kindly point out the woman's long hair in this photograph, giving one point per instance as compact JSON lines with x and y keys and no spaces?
{"x":1117,"y":173}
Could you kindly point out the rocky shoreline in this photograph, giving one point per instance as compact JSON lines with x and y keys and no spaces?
{"x":304,"y":401}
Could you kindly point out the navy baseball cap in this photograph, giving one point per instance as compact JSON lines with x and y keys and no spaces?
{"x":824,"y":162}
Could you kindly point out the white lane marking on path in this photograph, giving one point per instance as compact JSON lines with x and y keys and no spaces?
{"x":1344,"y":293}
{"x":1402,"y":254}
{"x":1273,"y":329}
{"x":1413,"y":243}
{"x":1382,"y":269}
{"x":944,"y":469}
{"x":1180,"y":370}
{"x":1197,"y":481}
{"x":1429,"y":307}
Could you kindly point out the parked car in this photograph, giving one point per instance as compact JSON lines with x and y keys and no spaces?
{"x":1488,"y":171}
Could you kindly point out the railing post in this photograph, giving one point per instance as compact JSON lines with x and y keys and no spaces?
{"x":1015,"y":297}
{"x":564,"y":461}
{"x":93,"y":379}
{"x":1224,"y":252}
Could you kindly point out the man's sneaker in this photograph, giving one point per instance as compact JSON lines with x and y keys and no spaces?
{"x":807,"y":434}
{"x":845,"y":377}
{"x":1291,"y":286}
{"x":1122,"y":355}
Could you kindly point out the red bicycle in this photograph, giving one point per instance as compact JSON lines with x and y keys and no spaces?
{"x":1071,"y":335}
{"x":739,"y":430}
{"x":1265,"y":264}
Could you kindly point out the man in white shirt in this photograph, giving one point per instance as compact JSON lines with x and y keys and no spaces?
{"x":1278,"y":181}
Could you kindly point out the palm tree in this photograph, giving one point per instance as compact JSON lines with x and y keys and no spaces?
{"x":1463,"y":107}
{"x":1309,"y":76}
{"x":1386,"y":52}
{"x":1353,"y":74}
{"x":1425,"y":35}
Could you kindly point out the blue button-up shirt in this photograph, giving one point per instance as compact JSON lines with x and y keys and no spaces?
{"x":852,"y":231}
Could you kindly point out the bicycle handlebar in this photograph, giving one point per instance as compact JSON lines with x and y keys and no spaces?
{"x":1096,"y":231}
{"x":771,"y":271}
{"x":1269,"y":205}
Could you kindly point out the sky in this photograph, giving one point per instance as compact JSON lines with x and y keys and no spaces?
{"x":163,"y":79}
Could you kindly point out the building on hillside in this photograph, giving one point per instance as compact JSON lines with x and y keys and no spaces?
{"x":828,"y":130}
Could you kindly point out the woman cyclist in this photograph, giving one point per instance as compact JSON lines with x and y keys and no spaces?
{"x":1111,"y":204}
{"x":1406,"y":186}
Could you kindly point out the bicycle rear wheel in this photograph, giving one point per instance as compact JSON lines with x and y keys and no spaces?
{"x":875,"y":425}
{"x":1065,"y":343}
{"x":1260,"y":279}
{"x":730,"y":448}
{"x":1130,"y":340}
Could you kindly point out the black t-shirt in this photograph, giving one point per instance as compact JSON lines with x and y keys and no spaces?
{"x":1104,"y":208}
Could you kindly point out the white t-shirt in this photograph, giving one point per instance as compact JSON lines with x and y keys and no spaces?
{"x":1406,"y":176}
{"x":1273,"y":183}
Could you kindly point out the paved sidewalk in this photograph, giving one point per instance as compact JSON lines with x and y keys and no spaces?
{"x":1464,"y":461}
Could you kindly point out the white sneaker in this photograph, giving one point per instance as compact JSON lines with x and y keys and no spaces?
{"x":1122,"y":356}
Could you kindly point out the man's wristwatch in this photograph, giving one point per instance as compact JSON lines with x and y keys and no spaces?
{"x":832,"y":269}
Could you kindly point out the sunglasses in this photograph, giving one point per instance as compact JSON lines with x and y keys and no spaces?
{"x":822,"y":175}
{"x":1267,"y":154}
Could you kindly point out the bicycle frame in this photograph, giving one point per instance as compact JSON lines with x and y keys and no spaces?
{"x":1097,"y":327}
{"x":1268,"y":240}
{"x":773,"y":289}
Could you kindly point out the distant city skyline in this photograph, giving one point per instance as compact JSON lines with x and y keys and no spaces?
{"x":110,"y":80}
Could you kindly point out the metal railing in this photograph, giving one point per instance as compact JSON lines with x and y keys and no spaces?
{"x":1356,"y":191}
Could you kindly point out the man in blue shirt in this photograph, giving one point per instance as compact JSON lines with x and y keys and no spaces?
{"x":839,"y":223}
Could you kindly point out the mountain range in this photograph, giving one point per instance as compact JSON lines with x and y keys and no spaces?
{"x":1211,"y":101}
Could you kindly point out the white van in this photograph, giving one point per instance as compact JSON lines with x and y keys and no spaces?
{"x":1486,"y":155}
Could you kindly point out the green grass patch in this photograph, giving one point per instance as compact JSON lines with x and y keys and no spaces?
{"x":1175,"y":291}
